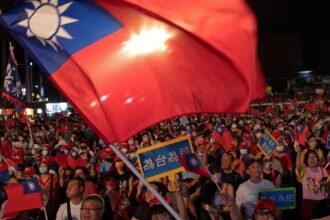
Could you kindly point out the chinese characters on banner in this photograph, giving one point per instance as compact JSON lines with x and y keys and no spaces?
{"x":285,"y":198}
{"x":163,"y":159}
{"x":328,"y":142}
{"x":267,"y":144}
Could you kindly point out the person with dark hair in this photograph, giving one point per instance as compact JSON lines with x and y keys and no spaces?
{"x":228,"y":175}
{"x":74,"y":192}
{"x":159,"y":212}
{"x":214,"y":203}
{"x":247,"y":193}
{"x":90,"y":187}
{"x":312,"y":144}
{"x":313,"y":179}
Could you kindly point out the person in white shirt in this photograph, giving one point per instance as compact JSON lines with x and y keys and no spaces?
{"x":247,"y":192}
{"x":71,"y":209}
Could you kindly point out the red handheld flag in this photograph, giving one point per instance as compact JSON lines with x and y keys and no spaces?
{"x":23,"y":196}
{"x":192,"y":163}
{"x":301,"y":134}
{"x":74,"y":160}
{"x":222,"y":136}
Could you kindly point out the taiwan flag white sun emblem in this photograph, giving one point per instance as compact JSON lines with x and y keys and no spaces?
{"x":193,"y":162}
{"x":45,"y":22}
{"x":31,"y":186}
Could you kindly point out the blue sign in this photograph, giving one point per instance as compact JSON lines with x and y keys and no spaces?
{"x":285,"y":198}
{"x":267,"y":144}
{"x":328,"y":142}
{"x":163,"y":159}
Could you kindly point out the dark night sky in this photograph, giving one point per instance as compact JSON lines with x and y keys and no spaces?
{"x":293,"y":35}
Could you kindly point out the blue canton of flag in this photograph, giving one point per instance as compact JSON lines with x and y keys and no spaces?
{"x":194,"y":162}
{"x":219,"y":128}
{"x":300,"y":128}
{"x":4,"y":176}
{"x":74,"y":154}
{"x":12,"y":87}
{"x":191,"y":162}
{"x":53,"y":29}
{"x":31,"y":186}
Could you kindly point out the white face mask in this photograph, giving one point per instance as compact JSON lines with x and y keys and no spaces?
{"x":243,"y":151}
{"x":44,"y":152}
{"x":280,"y":148}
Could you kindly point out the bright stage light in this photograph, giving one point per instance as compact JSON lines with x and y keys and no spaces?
{"x":148,"y":41}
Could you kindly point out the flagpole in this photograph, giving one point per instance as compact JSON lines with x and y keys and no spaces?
{"x":45,"y":212}
{"x":29,"y":127}
{"x":138,"y":174}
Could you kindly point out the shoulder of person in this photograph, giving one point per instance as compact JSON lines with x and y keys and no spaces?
{"x":268,"y":183}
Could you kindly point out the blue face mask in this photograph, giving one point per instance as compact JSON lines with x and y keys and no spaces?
{"x":43,"y":170}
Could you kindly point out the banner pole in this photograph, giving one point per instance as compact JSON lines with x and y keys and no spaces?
{"x":138,"y":174}
{"x":45,"y":212}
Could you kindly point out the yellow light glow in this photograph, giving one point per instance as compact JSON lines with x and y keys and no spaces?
{"x":148,"y":41}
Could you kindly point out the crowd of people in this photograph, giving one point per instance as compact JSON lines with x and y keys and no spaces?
{"x":100,"y":186}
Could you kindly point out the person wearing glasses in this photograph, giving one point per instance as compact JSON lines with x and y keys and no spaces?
{"x":92,"y":207}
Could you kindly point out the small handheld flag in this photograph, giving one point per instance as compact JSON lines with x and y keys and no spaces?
{"x":191,"y":162}
{"x":12,"y":86}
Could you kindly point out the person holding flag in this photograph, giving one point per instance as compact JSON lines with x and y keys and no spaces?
{"x":22,"y":196}
{"x":12,"y":87}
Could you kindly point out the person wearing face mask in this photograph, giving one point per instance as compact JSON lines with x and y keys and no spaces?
{"x":281,"y":155}
{"x":49,"y":183}
{"x":312,"y":145}
{"x":244,"y":152}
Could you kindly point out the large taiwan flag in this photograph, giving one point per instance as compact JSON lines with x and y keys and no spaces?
{"x":126,"y":65}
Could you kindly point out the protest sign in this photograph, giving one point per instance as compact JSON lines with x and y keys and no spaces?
{"x":267,"y":144}
{"x":184,"y":121}
{"x":328,"y":142}
{"x":163,"y":159}
{"x":285,"y":198}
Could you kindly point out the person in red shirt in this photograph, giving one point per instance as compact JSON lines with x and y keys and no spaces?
{"x":281,"y":155}
{"x":82,"y":172}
